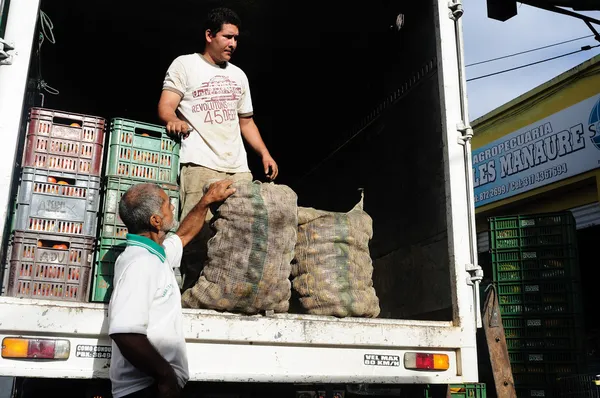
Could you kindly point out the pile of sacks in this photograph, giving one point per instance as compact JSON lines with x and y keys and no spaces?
{"x":264,"y":246}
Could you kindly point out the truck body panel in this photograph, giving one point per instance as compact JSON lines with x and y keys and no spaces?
{"x":422,"y":247}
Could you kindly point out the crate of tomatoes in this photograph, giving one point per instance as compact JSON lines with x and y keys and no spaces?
{"x":56,"y":202}
{"x":142,"y":151}
{"x":50,"y":266}
{"x":62,"y":141}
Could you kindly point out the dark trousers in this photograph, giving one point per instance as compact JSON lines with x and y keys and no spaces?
{"x":148,"y":392}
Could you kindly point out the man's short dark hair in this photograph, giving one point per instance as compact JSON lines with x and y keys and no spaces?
{"x":217,"y":17}
{"x":138,"y":204}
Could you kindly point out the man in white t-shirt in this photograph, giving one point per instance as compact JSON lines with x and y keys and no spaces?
{"x":206,"y":102}
{"x":145,"y":320}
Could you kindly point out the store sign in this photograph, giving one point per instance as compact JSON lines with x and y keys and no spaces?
{"x":562,"y":145}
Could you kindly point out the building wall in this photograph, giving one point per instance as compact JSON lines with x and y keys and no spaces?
{"x":566,"y":90}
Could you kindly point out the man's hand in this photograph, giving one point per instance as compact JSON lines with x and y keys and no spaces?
{"x":271,"y":169}
{"x":217,"y":192}
{"x":168,"y":386}
{"x":192,"y":224}
{"x":178,"y":128}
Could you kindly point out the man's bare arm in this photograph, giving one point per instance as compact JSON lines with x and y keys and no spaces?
{"x":191,"y":225}
{"x":167,"y":107}
{"x":252,"y":136}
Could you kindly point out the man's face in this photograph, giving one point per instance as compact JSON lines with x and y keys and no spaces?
{"x":223,"y":44}
{"x":167,"y":213}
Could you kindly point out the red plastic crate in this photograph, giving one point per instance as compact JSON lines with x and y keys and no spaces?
{"x":62,"y":141}
{"x":39,"y":268}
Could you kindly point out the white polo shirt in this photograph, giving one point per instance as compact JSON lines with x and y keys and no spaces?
{"x":146,"y":300}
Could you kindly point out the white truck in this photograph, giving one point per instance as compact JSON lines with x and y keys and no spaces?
{"x":411,"y":153}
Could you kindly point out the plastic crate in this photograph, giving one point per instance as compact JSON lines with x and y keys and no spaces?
{"x":578,"y":386}
{"x":142,"y":151}
{"x":476,"y":390}
{"x":114,"y":188}
{"x":545,"y":297}
{"x":471,"y":390}
{"x":543,"y":367}
{"x":39,"y":269}
{"x":536,"y":391}
{"x":44,"y":205}
{"x":104,"y":269}
{"x":55,"y":142}
{"x":535,"y":264}
{"x":532,"y":230}
{"x":543,"y":333}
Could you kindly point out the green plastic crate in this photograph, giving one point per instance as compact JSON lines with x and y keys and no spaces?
{"x":545,"y":333}
{"x":542,"y":368}
{"x":469,"y":390}
{"x":546,"y":229}
{"x":113,"y":189}
{"x":142,"y":151}
{"x":104,"y":269}
{"x":536,"y":391}
{"x":535,"y":264}
{"x":578,"y":386}
{"x":112,"y":236}
{"x":544,"y":297}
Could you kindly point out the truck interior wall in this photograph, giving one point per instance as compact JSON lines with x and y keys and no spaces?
{"x":320,"y":73}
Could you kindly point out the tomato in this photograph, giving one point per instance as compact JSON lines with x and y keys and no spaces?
{"x":52,"y":180}
{"x":60,"y":246}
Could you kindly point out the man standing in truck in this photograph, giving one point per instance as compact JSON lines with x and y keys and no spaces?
{"x":145,"y":319}
{"x":206,"y":102}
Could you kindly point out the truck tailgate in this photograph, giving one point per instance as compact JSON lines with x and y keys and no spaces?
{"x":231,"y":347}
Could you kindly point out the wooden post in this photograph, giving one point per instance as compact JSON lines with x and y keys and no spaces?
{"x":496,"y":342}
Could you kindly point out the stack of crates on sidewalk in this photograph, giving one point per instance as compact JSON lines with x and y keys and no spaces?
{"x":54,"y":221}
{"x":536,"y":271}
{"x":138,"y":152}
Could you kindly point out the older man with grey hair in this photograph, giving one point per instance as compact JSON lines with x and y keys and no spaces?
{"x":145,"y":319}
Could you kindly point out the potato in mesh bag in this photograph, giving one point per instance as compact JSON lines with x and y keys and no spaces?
{"x":332,"y":270}
{"x":250,"y":254}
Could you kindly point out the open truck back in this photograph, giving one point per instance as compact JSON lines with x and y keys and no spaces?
{"x":374,"y":99}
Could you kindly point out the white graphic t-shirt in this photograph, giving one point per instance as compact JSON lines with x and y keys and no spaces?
{"x":212,"y":99}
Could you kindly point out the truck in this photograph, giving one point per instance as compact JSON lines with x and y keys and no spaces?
{"x":382,"y":90}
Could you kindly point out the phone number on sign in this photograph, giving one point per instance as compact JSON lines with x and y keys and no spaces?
{"x":491,"y":193}
{"x":538,"y":177}
{"x":524,"y":182}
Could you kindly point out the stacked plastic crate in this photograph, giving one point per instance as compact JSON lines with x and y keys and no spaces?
{"x":469,"y":390}
{"x":138,"y":152}
{"x":535,"y":267}
{"x":55,"y":216}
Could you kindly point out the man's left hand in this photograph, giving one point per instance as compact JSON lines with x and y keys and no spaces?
{"x":271,"y":169}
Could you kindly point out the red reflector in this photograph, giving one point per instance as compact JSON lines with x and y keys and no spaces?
{"x":43,"y":349}
{"x":424,"y":361}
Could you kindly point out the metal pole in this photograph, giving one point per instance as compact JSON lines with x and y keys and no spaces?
{"x":20,"y":28}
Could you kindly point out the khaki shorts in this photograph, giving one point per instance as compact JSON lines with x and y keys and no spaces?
{"x":192,"y":181}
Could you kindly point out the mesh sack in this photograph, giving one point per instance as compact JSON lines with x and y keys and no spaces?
{"x":332,"y":271}
{"x":249,"y":257}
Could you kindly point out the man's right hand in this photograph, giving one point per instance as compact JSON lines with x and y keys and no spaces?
{"x":191,"y":225}
{"x":178,"y":128}
{"x":218,"y":191}
{"x":167,"y":386}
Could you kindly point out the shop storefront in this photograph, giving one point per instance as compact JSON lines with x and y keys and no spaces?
{"x":541,"y":153}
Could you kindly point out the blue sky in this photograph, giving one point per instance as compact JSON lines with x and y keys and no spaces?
{"x":486,"y":38}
